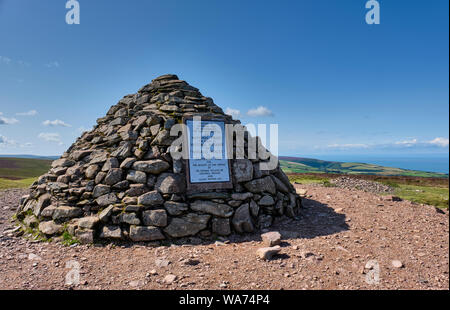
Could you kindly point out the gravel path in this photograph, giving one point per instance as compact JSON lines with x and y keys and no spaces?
{"x":339,"y":233}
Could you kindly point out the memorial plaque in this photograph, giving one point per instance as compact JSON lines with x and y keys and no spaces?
{"x":208,"y":166}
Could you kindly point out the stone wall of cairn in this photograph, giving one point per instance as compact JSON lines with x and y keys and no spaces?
{"x":119,"y":181}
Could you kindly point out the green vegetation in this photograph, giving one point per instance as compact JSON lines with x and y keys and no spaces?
{"x":435,"y":196}
{"x":7,"y":183}
{"x":311,"y":179}
{"x":308,"y":165}
{"x":68,"y":239}
{"x":428,"y":191}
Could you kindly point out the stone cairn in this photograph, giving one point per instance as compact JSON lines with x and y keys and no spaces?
{"x":119,"y":181}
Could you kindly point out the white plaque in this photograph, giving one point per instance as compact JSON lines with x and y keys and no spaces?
{"x":211,"y":169}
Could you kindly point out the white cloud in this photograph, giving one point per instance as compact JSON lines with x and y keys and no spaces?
{"x":408,"y":143}
{"x":411,"y":142}
{"x":7,"y":121}
{"x":56,"y":122}
{"x":28,"y":113}
{"x":260,"y":111}
{"x":4,"y":141}
{"x":233,"y":112}
{"x":53,"y":64}
{"x":50,"y":137}
{"x":443,"y":142}
{"x":5,"y":60}
{"x":348,"y":146}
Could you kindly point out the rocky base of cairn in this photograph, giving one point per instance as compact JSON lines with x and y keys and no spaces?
{"x":119,"y":181}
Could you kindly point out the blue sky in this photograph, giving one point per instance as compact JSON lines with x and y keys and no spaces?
{"x":334,"y":84}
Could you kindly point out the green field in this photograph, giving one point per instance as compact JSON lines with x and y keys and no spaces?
{"x":308,"y":165}
{"x":430,"y":191}
{"x":21,"y":172}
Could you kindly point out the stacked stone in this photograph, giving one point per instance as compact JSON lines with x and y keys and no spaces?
{"x":119,"y":181}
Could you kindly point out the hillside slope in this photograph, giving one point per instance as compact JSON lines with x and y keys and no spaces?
{"x":309,"y":165}
{"x":22,"y":168}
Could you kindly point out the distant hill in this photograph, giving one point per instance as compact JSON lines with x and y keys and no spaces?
{"x":23,"y":168}
{"x":309,"y":165}
{"x":30,"y":156}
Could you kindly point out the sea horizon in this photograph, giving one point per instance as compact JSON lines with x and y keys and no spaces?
{"x":423,"y":162}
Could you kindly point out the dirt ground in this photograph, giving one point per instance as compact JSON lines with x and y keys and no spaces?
{"x":337,"y":235}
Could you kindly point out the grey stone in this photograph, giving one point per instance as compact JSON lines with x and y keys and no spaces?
{"x":264,"y":221}
{"x":221,"y":226}
{"x":265,"y":184}
{"x":85,"y":236}
{"x":106,"y":200}
{"x":113,"y":176}
{"x":155,"y":166}
{"x":145,"y":233}
{"x":31,"y":221}
{"x":110,"y":163}
{"x":254,"y":208}
{"x":155,"y":218}
{"x":258,"y":173}
{"x":152,"y":198}
{"x":210,"y":207}
{"x":123,"y":151}
{"x":164,"y":138}
{"x":91,"y":171}
{"x":235,"y":203}
{"x":175,"y":208}
{"x":122,"y":185}
{"x":42,"y":202}
{"x":266,"y":201}
{"x":100,"y":190}
{"x":48,"y":212}
{"x":127,"y":163}
{"x":136,"y":190}
{"x":88,"y":222}
{"x":268,"y":253}
{"x":134,"y":208}
{"x":169,"y":183}
{"x":271,"y":238}
{"x":99,"y":177}
{"x":50,"y":228}
{"x":63,"y":162}
{"x":98,"y":157}
{"x":243,"y":170}
{"x":129,"y":218}
{"x":187,"y":225}
{"x":111,"y":232}
{"x":242,"y":221}
{"x":241,"y":196}
{"x":280,"y":185}
{"x":105,"y":214}
{"x":66,"y":212}
{"x":137,"y":176}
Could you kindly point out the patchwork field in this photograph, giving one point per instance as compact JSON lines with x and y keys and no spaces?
{"x":309,"y":165}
